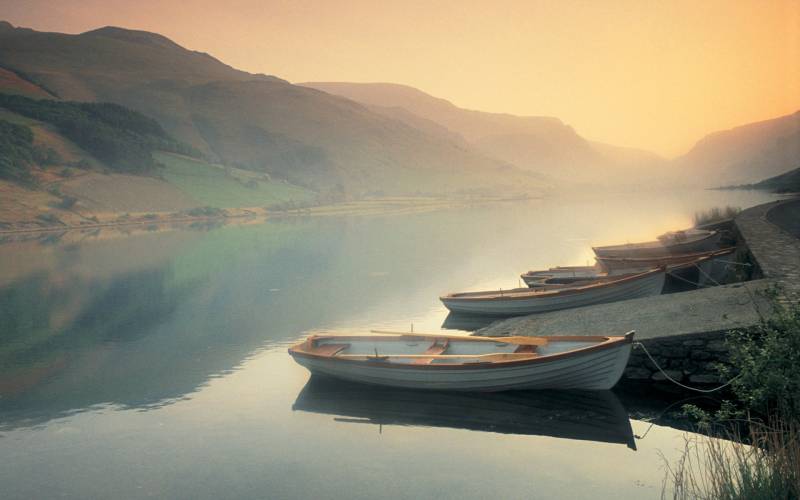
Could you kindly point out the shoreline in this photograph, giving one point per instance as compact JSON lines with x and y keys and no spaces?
{"x":361,"y":207}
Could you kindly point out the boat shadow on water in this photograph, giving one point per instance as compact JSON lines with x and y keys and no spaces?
{"x":467,"y":322}
{"x":580,"y":415}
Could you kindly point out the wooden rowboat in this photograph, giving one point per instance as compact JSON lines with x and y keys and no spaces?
{"x":462,"y":363}
{"x":619,"y":264}
{"x":521,"y":301}
{"x":681,"y":266}
{"x":562,"y":272}
{"x":677,"y":242}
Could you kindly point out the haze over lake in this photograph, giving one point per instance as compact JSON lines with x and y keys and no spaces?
{"x":156,"y":365}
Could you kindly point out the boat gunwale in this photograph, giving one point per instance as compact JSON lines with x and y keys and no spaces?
{"x":532,"y":293}
{"x":606,"y":342}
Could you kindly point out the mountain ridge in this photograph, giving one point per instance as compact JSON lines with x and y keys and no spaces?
{"x":541,"y":144}
{"x":254,"y":121}
{"x":746,"y":153}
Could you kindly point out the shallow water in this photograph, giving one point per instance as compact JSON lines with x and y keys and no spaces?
{"x":156,"y":365}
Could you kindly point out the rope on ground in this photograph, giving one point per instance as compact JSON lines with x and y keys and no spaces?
{"x":695,"y":389}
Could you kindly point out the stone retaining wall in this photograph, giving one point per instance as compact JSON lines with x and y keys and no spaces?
{"x":688,"y":358}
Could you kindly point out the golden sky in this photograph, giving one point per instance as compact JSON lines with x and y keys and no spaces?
{"x":656,"y":75}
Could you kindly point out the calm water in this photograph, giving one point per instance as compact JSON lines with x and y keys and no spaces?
{"x":156,"y":365}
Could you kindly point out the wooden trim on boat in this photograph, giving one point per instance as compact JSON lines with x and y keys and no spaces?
{"x":604,"y":342}
{"x":525,"y":294}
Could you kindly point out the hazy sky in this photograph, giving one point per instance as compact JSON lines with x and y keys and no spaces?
{"x":651,"y":74}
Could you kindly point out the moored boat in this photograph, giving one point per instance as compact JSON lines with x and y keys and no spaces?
{"x":675,"y":242}
{"x":462,"y":363}
{"x":614,"y":264}
{"x":561,"y":272}
{"x":521,"y":301}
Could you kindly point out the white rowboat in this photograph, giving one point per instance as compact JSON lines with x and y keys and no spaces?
{"x":677,"y":242}
{"x":522,"y":301}
{"x":680,"y":265}
{"x":618,"y":264}
{"x":461,"y":363}
{"x":561,"y":272}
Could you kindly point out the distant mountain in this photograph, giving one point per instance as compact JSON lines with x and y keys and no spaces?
{"x":535,"y":143}
{"x":744,"y":154}
{"x":253,"y":121}
{"x":788,"y":182}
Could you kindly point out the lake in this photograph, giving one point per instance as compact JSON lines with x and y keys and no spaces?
{"x":155,"y":365}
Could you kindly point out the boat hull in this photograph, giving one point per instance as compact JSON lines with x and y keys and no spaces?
{"x":624,"y":264}
{"x":641,"y":250}
{"x":646,"y":286}
{"x":589,"y":369}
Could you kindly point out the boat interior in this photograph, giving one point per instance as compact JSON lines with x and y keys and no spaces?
{"x":426,"y":349}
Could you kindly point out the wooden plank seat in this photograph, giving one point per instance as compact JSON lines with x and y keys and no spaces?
{"x":435,"y":349}
{"x":329,"y":349}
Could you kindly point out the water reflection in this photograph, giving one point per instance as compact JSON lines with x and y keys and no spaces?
{"x":141,"y":321}
{"x":467,"y":322}
{"x":582,"y":415}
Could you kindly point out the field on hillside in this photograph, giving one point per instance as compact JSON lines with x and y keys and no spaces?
{"x":212,"y":187}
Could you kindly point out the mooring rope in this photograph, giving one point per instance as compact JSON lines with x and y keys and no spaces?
{"x":658,"y":367}
{"x":698,"y":285}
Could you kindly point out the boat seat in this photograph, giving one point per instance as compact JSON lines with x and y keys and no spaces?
{"x":329,"y":349}
{"x":436,"y":348}
{"x":526,"y":348}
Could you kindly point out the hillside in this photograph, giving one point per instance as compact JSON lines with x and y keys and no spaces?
{"x":788,"y":182}
{"x":47,"y":179}
{"x":745,"y":154}
{"x":250,"y":121}
{"x":540,"y":144}
{"x":124,"y":139}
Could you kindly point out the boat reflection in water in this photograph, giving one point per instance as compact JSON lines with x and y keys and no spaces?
{"x":582,"y":415}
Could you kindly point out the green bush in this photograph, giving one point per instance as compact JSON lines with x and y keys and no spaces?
{"x":16,"y":153}
{"x":767,"y":360}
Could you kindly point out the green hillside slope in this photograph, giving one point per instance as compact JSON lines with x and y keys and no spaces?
{"x":252,"y":121}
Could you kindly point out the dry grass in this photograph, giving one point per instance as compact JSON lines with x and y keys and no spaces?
{"x":715,"y":214}
{"x":765,"y":466}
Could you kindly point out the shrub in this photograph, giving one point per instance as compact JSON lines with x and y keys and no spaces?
{"x":715,"y":214}
{"x":16,"y":153}
{"x":67,"y":202}
{"x":767,"y":358}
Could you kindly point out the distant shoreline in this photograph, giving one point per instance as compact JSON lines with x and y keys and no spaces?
{"x":361,"y":207}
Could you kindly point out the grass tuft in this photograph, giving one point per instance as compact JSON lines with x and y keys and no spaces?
{"x":715,"y":214}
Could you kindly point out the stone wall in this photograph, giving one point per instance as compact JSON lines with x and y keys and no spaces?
{"x":687,"y":358}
